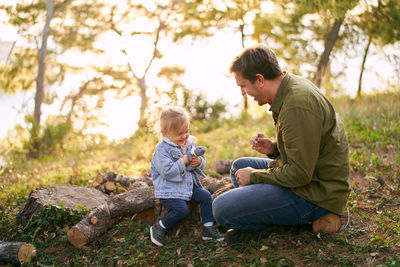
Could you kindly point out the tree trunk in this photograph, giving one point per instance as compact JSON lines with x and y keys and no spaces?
{"x":124,"y":204}
{"x":16,"y":253}
{"x":143,"y":102}
{"x":363,"y":66}
{"x":42,"y":65}
{"x":329,"y":44}
{"x":245,"y":99}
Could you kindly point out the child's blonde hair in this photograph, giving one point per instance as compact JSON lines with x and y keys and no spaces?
{"x":169,"y":118}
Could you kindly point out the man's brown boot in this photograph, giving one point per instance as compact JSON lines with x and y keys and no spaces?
{"x":330,"y":223}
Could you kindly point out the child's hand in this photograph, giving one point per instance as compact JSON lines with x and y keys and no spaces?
{"x":185,"y":159}
{"x":196,"y":161}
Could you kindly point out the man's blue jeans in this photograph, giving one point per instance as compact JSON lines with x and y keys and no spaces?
{"x":255,"y":207}
{"x":179,"y":210}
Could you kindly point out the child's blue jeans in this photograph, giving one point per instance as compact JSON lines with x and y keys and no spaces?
{"x":256,"y":206}
{"x":179,"y":210}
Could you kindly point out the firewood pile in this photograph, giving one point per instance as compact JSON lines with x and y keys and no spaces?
{"x":107,"y":182}
{"x":117,"y":197}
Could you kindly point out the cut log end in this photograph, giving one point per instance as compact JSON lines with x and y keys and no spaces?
{"x":99,"y":179}
{"x":94,"y":220}
{"x":16,"y":253}
{"x":26,"y":253}
{"x":76,"y":237}
{"x":110,"y":186}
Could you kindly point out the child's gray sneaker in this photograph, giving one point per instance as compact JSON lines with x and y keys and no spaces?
{"x":157,"y":234}
{"x":211,"y":232}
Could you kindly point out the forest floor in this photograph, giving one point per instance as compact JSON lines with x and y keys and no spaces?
{"x":370,"y":233}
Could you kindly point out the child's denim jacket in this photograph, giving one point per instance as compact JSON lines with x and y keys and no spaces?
{"x":170,"y":178}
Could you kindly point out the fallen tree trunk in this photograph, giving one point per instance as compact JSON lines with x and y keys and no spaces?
{"x":16,"y":253}
{"x":103,"y":217}
{"x":69,"y":195}
{"x":139,"y":199}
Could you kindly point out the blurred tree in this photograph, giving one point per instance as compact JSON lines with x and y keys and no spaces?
{"x":42,"y":65}
{"x":335,"y":11}
{"x":67,"y":25}
{"x":174,"y":90}
{"x":380,"y":22}
{"x":199,"y":108}
{"x":294,"y":24}
{"x":140,"y":27}
{"x":203,"y":18}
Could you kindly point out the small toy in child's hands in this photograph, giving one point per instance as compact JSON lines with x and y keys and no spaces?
{"x":196,"y":151}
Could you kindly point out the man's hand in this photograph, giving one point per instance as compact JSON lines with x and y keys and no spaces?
{"x":243,"y":176}
{"x":262,"y":144}
{"x":196,"y":161}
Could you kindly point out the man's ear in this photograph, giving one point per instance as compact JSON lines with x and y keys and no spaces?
{"x":260,"y":79}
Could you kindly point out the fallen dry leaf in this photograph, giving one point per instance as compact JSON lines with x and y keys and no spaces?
{"x":178,"y":232}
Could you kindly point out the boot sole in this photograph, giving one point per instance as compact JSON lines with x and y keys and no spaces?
{"x":205,"y":238}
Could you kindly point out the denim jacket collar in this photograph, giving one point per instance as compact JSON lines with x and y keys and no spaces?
{"x":190,"y":140}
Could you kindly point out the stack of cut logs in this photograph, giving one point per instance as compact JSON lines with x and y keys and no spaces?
{"x":106,"y":182}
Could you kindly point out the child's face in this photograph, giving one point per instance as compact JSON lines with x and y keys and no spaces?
{"x":179,"y":136}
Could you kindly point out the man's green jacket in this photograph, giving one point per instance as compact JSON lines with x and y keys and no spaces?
{"x":312,"y":156}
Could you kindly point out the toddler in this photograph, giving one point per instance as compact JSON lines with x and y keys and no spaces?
{"x":175,"y":179}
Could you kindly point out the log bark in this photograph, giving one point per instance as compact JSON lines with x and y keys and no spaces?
{"x":106,"y":177}
{"x":223,"y":166}
{"x":112,"y":178}
{"x":183,"y":226}
{"x":69,"y":195}
{"x":129,"y":203}
{"x":213,"y":185}
{"x":126,"y":181}
{"x":16,"y":253}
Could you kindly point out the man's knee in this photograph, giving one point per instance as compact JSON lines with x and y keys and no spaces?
{"x":235,"y":166}
{"x":219,"y":210}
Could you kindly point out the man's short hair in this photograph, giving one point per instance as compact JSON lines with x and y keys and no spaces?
{"x":255,"y":60}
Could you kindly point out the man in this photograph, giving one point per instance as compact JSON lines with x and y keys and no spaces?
{"x":306,"y":175}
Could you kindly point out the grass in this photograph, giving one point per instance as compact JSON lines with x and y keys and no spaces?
{"x":370,"y":235}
